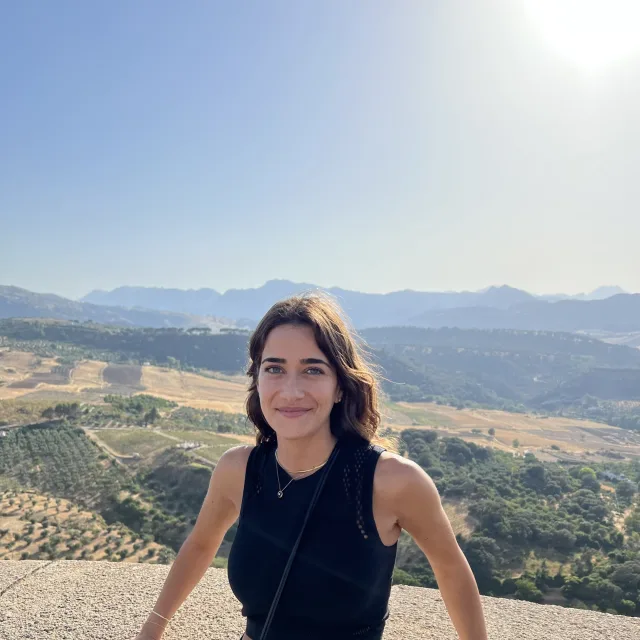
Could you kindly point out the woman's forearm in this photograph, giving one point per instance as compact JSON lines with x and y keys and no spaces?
{"x":462,"y":599}
{"x":187,"y":569}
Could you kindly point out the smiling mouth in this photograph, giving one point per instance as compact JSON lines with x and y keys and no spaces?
{"x":293,"y":413}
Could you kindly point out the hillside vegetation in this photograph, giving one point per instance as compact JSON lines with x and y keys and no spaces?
{"x":39,"y":527}
{"x":132,"y":438}
{"x":537,"y":527}
{"x":535,"y":530}
{"x":512,"y":370}
{"x":156,"y":494}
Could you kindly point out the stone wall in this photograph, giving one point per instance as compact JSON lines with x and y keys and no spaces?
{"x":80,"y":600}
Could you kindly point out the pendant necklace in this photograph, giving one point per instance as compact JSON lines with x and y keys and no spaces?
{"x":280,"y":488}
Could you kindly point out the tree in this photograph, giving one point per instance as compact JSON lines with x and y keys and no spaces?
{"x":527,"y":590}
{"x":166,"y":556}
{"x":534,"y":476}
{"x":583,"y":565}
{"x":543,"y":579}
{"x":67,"y":409}
{"x":626,"y":607}
{"x":151,"y":416}
{"x":589,"y":480}
{"x":571,"y":587}
{"x":425,"y":460}
{"x":627,"y":576}
{"x":632,"y":523}
{"x":481,"y":554}
{"x":173,"y":362}
{"x":492,"y":432}
{"x":563,"y":540}
{"x":403,"y":577}
{"x":604,"y":592}
{"x":625,"y":491}
{"x":516,"y":443}
{"x":457,"y":451}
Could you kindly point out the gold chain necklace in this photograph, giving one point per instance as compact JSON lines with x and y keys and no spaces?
{"x":281,"y":489}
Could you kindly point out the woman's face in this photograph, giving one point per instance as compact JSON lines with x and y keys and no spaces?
{"x":296,"y":384}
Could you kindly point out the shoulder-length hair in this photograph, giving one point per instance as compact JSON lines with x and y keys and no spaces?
{"x":357,"y":414}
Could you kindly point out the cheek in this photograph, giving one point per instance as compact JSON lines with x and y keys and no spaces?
{"x":266,"y":387}
{"x":327,"y":391}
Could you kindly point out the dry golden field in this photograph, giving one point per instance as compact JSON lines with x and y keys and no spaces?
{"x":533,"y":433}
{"x":23,"y":374}
{"x":18,"y":367}
{"x":88,"y":375}
{"x":196,"y":391}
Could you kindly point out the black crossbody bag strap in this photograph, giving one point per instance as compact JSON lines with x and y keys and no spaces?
{"x":285,"y":573}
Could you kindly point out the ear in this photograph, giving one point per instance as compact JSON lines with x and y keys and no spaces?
{"x":338,"y":396}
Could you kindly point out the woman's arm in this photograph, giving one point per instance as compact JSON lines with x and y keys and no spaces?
{"x":417,"y":505}
{"x":219,"y":511}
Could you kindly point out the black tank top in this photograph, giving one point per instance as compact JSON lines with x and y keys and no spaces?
{"x":340,"y":581}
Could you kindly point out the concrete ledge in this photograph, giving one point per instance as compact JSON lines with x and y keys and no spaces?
{"x":80,"y":600}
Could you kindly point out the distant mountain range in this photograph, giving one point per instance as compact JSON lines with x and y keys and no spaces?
{"x":501,"y":307}
{"x":20,"y":303}
{"x":364,"y":309}
{"x":618,"y":314}
{"x":597,"y":294}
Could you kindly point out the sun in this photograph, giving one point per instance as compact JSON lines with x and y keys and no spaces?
{"x":592,"y":34}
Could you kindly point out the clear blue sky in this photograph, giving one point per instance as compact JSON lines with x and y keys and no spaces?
{"x":372,"y":145}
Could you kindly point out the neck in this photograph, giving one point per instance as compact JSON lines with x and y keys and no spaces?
{"x":305,"y":453}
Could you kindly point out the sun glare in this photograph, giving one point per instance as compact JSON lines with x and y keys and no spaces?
{"x":592,"y":34}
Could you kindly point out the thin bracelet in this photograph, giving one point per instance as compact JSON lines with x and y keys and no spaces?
{"x":158,"y":624}
{"x":167,"y":619}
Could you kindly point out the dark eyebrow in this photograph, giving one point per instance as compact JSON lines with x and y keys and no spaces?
{"x":314,"y":361}
{"x":303,"y":361}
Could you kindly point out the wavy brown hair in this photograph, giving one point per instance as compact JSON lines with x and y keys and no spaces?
{"x":357,"y":414}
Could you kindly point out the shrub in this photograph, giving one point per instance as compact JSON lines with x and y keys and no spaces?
{"x":399,"y":577}
{"x":527,"y":590}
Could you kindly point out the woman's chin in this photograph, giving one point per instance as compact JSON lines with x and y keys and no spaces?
{"x":292,"y":431}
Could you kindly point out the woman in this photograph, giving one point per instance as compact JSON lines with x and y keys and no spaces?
{"x":311,"y":392}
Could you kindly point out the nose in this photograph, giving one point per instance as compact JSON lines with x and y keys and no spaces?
{"x":291,"y":388}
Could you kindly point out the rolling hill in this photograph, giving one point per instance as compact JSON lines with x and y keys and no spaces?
{"x":502,"y":369}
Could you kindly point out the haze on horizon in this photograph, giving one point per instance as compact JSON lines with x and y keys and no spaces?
{"x":372,"y":146}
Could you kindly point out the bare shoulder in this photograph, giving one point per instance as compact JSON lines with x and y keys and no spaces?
{"x":228,"y":476}
{"x":236,"y":457}
{"x":395,"y":471}
{"x":398,"y":478}
{"x":223,"y":501}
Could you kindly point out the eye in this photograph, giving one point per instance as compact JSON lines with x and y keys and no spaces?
{"x":316,"y":371}
{"x":270,"y":368}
